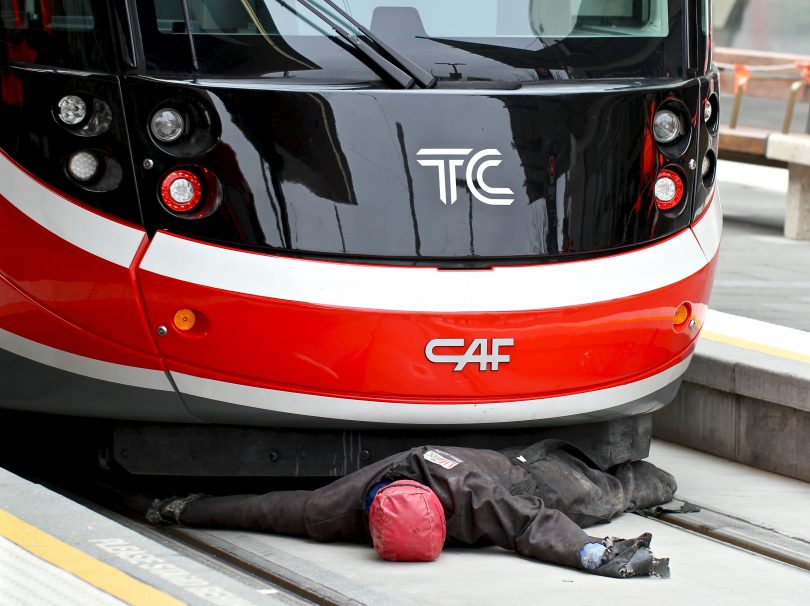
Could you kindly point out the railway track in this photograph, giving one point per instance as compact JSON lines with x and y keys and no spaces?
{"x":707,"y":548}
{"x":294,"y":576}
{"x":742,"y":534}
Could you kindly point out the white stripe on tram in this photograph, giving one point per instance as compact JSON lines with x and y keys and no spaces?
{"x":105,"y":238}
{"x":710,"y":227}
{"x":82,"y":365}
{"x":424,"y":289}
{"x":427,"y":414}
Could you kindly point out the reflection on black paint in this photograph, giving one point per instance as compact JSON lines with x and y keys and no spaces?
{"x":417,"y":243}
{"x":317,"y":158}
{"x":342,"y":177}
{"x":282,"y":225}
{"x":243,"y":217}
{"x":295,"y":134}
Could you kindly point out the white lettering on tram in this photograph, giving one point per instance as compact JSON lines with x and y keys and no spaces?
{"x":478,"y":352}
{"x":449,"y":161}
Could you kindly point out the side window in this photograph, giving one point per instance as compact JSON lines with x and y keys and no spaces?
{"x":58,"y":33}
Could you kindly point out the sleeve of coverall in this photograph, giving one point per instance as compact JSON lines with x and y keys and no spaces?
{"x":484,"y":510}
{"x":276,"y":512}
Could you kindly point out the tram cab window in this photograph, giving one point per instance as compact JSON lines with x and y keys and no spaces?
{"x":58,"y":33}
{"x":438,"y":18}
{"x":275,"y":38}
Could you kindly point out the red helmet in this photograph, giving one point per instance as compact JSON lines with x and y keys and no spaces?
{"x":407,"y":523}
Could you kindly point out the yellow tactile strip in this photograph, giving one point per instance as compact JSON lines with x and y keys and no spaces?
{"x":95,"y":572}
{"x":744,"y":344}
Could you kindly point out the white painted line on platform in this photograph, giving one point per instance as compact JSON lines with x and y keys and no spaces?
{"x":746,"y":333}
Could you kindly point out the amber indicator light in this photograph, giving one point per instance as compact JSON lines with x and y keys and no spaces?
{"x":681,"y":316}
{"x":184,"y":320}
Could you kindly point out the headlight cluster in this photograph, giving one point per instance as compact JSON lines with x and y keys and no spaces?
{"x":672,"y":131}
{"x":88,"y":116}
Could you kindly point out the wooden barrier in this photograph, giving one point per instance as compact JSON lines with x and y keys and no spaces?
{"x":765,"y":75}
{"x":771,"y":76}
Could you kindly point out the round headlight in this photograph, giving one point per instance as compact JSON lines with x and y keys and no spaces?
{"x":72,"y":109}
{"x":668,"y":190}
{"x":167,"y":125}
{"x":665,"y":189}
{"x":181,"y":191}
{"x":707,"y":110}
{"x":666,"y":126}
{"x":707,"y":166}
{"x":83,"y":166}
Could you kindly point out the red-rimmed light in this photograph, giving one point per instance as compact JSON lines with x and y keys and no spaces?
{"x":668,"y":190}
{"x":181,"y":191}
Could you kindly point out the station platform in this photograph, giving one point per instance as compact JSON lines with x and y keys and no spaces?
{"x":56,"y":551}
{"x":761,"y":274}
{"x":746,"y":395}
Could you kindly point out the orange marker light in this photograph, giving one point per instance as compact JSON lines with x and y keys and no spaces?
{"x":681,"y":315}
{"x":184,"y":320}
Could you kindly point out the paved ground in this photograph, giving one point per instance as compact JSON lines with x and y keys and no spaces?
{"x":703,"y":570}
{"x":768,"y":25}
{"x":761,"y":274}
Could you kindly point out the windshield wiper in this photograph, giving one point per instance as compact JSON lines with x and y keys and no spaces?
{"x":404,"y":71}
{"x":187,"y":18}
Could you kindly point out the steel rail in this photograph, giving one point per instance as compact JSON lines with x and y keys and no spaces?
{"x":740,"y":533}
{"x":128,"y":508}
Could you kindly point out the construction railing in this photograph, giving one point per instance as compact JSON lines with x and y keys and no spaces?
{"x":772,"y":76}
{"x":765,"y":75}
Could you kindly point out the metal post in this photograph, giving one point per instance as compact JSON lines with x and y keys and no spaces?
{"x":807,"y":128}
{"x":795,"y":89}
{"x":735,"y":110}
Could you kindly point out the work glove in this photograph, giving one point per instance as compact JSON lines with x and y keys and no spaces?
{"x":625,"y":558}
{"x":167,"y":511}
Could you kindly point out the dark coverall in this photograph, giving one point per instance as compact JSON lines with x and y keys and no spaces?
{"x":532,"y":502}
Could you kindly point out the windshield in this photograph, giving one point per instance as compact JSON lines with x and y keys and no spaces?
{"x":432,"y":18}
{"x":452,"y":39}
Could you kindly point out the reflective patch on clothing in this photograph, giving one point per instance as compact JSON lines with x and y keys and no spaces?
{"x":445,"y":459}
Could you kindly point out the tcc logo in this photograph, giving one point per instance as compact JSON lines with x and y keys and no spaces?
{"x":448,"y":161}
{"x":476,"y":353}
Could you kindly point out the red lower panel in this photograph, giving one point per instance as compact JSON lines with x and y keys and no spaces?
{"x":381,"y":354}
{"x":21,"y":316}
{"x":88,"y":291}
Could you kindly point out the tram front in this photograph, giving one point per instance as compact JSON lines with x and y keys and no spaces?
{"x":444,"y":214}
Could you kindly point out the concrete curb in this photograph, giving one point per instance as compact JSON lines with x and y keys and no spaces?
{"x":744,"y":405}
